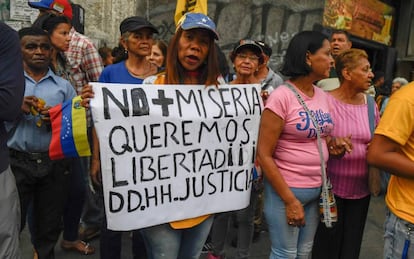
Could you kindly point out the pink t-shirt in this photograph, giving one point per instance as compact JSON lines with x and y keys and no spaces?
{"x":349,"y":175}
{"x":296,"y":153}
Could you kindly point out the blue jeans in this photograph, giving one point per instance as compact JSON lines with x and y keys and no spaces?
{"x":288,"y":241}
{"x":396,"y":234}
{"x":164,"y":242}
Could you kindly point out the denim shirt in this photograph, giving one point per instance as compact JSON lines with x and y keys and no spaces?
{"x":28,"y":137}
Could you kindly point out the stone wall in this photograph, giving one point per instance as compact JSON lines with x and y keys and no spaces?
{"x":274,"y":21}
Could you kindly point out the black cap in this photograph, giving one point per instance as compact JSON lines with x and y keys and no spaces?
{"x":135,"y":23}
{"x":267,"y":50}
{"x":247,"y":43}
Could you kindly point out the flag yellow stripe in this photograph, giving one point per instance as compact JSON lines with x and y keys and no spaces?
{"x":79,"y":128}
{"x":189,"y":6}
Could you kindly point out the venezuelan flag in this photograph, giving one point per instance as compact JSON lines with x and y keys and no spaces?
{"x":69,"y":133}
{"x":189,"y":6}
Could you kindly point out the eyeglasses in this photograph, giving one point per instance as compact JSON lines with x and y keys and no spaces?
{"x":249,"y":57}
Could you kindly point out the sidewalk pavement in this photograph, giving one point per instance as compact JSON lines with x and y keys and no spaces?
{"x":372,"y":244}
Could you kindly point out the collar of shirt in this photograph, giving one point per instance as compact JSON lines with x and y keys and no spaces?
{"x":49,"y":74}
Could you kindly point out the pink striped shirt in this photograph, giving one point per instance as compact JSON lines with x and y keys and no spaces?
{"x":349,"y":175}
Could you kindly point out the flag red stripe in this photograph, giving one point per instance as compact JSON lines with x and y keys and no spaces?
{"x":55,"y":148}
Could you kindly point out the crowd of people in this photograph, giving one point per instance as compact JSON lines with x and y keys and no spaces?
{"x":326,"y":112}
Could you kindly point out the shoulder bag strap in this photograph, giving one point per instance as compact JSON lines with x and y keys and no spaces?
{"x":325,"y":185}
{"x":371,"y":107}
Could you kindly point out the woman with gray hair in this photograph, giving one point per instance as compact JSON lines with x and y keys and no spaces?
{"x":131,"y":67}
{"x":397,"y":83}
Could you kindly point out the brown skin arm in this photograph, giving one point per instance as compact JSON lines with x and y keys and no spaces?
{"x":28,"y":102}
{"x":45,"y":114}
{"x":95,"y":170}
{"x":385,"y":153}
{"x":271,"y":127}
{"x":86,"y":94}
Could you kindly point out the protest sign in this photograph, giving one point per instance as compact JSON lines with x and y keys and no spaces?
{"x":171,"y":152}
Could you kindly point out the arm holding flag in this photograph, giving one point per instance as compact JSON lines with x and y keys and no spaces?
{"x":95,"y":170}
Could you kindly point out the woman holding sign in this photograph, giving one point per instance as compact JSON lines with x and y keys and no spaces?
{"x":288,"y":146}
{"x":191,"y":59}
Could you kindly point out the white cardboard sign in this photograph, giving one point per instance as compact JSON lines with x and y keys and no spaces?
{"x":172,"y":152}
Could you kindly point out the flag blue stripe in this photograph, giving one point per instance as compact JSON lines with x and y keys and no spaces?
{"x":66,"y":134}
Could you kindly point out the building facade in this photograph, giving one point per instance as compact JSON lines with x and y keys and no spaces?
{"x":272,"y":21}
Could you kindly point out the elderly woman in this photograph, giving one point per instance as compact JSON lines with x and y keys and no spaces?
{"x":397,"y":83}
{"x":349,"y":174}
{"x":246,"y":57}
{"x":131,"y":68}
{"x":288,"y":146}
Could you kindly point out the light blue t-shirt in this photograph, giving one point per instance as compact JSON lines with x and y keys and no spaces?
{"x":28,"y":137}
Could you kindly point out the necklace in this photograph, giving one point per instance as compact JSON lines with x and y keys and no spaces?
{"x":147,"y":70}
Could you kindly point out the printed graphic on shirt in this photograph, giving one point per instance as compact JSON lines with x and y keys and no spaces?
{"x":323,"y":119}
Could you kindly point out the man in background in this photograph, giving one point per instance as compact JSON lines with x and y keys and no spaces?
{"x":339,"y":42}
{"x":11,"y":97}
{"x":269,"y":81}
{"x":269,"y":78}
